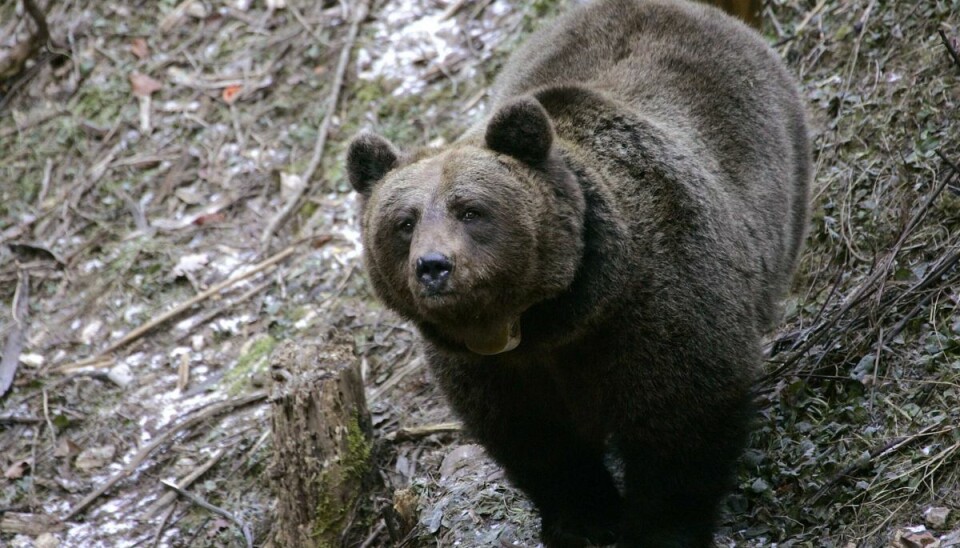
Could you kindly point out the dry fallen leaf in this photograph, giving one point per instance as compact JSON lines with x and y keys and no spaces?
{"x":138,"y":46}
{"x":230,"y":94}
{"x":65,"y":448}
{"x":17,"y":470}
{"x":207,"y":219}
{"x":143,"y":85}
{"x":95,"y":457}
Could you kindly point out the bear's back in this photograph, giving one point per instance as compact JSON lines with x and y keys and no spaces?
{"x":716,"y":90}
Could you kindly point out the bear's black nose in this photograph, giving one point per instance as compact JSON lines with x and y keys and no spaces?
{"x":433,"y":269}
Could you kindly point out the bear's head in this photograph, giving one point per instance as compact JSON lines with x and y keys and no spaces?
{"x":467,"y":237}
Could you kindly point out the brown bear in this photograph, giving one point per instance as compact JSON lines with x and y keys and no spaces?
{"x":592,"y":267}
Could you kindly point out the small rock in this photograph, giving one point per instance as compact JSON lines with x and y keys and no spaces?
{"x":46,"y":540}
{"x":456,"y":459}
{"x":936,"y":516}
{"x":914,"y":537}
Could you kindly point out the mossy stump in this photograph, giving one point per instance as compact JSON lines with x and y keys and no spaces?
{"x":321,"y":439}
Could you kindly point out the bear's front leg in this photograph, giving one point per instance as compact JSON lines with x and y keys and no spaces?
{"x":517,"y":414}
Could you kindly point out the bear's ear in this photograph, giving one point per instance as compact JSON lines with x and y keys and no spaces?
{"x":522,"y":129}
{"x":369,"y":158}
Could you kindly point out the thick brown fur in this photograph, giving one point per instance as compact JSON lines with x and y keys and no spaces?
{"x":634,"y":204}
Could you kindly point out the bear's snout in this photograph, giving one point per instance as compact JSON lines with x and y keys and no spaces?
{"x":433,"y":271}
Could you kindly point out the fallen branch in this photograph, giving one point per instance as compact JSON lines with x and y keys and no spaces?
{"x":197,"y":417}
{"x":418,"y":432}
{"x":177,"y":310}
{"x":294,"y":200}
{"x":215,"y":509}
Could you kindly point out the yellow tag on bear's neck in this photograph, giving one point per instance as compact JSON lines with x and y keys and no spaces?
{"x":495,"y":340}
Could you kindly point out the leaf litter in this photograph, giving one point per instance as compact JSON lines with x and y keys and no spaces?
{"x":147,"y":204}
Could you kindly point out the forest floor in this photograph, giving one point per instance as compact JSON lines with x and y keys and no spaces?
{"x":173,"y":204}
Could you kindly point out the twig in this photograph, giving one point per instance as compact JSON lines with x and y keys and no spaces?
{"x":196,"y":499}
{"x":803,"y":24}
{"x":306,"y":25}
{"x":372,"y":537}
{"x":11,"y":350}
{"x":162,"y":527}
{"x":183,"y":372}
{"x":168,"y":498}
{"x":417,"y":432}
{"x":949,"y":46}
{"x":46,"y":416}
{"x":394,"y":379}
{"x":43,"y":33}
{"x":196,"y":418}
{"x":452,"y":10}
{"x":16,"y":419}
{"x":864,"y":19}
{"x":179,"y":309}
{"x":294,"y":200}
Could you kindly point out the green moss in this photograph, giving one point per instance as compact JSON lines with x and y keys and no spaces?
{"x":357,"y":464}
{"x":254,"y":360}
{"x":330,"y":514}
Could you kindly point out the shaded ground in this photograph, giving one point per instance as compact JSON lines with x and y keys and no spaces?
{"x":116,"y":208}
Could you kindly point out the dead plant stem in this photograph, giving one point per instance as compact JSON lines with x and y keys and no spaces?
{"x":320,"y":145}
{"x":196,"y":499}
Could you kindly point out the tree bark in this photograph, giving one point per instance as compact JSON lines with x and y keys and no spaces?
{"x":322,"y":443}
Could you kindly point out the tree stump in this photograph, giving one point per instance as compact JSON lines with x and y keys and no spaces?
{"x":321,"y":441}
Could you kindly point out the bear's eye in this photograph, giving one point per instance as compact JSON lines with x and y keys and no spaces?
{"x":470,"y":215}
{"x":405,"y":226}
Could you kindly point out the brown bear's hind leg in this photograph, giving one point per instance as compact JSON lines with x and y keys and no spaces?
{"x":673,"y":497}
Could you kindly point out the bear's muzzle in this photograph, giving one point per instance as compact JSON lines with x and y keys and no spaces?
{"x":433,"y":270}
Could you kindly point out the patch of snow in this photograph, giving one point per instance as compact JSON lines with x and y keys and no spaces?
{"x":190,"y":263}
{"x":419,"y":35}
{"x":91,"y":265}
{"x":231,"y":324}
